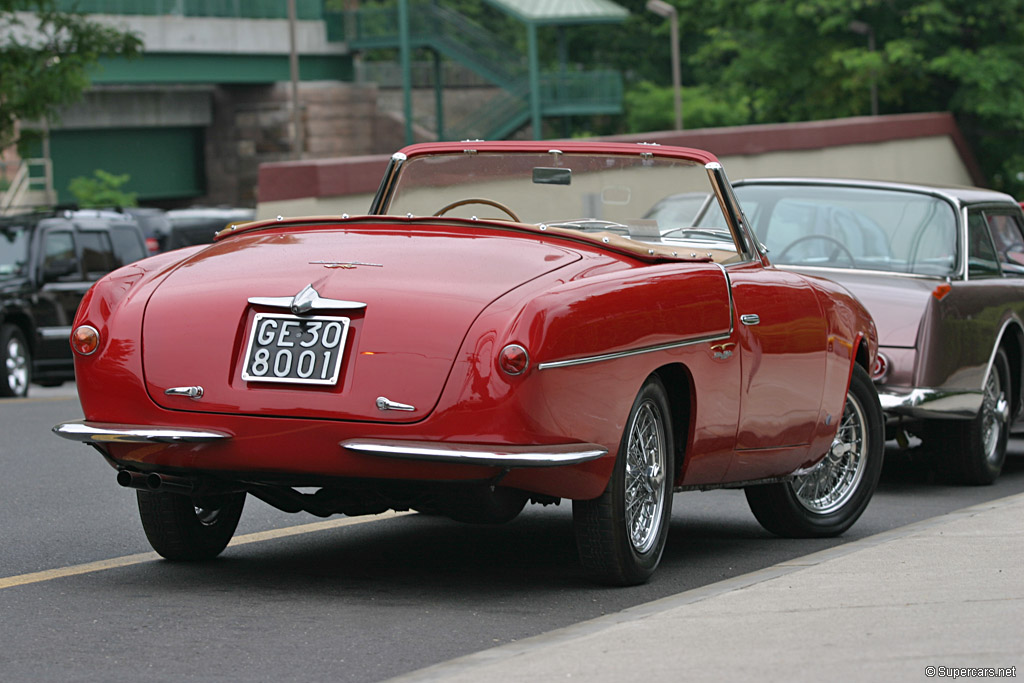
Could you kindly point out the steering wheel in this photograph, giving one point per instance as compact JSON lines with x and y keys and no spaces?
{"x":478,"y":200}
{"x":840,"y":247}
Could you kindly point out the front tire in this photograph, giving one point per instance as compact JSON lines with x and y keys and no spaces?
{"x":828,"y":500}
{"x":189,"y":528}
{"x":621,"y":535}
{"x":974,"y":451}
{"x":17,"y":362}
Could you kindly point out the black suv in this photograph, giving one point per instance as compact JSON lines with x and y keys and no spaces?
{"x":47,"y":263}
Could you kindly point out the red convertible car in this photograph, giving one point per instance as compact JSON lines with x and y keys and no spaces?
{"x":503,"y":327}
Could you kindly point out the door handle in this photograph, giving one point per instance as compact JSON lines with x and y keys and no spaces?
{"x":750,"y":319}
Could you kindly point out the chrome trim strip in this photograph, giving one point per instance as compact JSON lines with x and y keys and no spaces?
{"x":55,"y":332}
{"x":306,"y":301}
{"x":101,"y":432}
{"x":931,"y":402}
{"x":479,"y":454}
{"x":632,"y":352}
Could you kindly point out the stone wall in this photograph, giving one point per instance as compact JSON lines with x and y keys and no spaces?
{"x":253,"y":124}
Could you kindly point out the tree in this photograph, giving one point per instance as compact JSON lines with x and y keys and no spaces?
{"x":801,"y":60}
{"x":45,"y":58}
{"x":102,"y":190}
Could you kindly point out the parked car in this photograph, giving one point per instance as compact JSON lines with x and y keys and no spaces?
{"x":198,"y":225}
{"x":47,"y":262}
{"x":504,"y":328}
{"x":942,"y":271}
{"x":155,"y":224}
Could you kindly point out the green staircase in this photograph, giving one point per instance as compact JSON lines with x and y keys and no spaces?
{"x":562,"y":92}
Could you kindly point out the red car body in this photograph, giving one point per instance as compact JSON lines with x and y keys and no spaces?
{"x":756,"y":362}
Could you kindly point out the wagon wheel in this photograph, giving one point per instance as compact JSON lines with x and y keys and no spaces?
{"x":621,"y":535}
{"x":827,"y":500}
{"x":478,"y":200}
{"x":840,"y":247}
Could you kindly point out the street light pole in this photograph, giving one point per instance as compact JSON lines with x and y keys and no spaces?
{"x":864,"y":28}
{"x":293,"y":64}
{"x":669,"y":12}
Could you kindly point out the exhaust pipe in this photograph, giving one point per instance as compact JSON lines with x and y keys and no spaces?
{"x":162,"y":483}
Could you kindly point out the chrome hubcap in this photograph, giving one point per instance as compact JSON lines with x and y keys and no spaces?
{"x":995,"y":413}
{"x":834,"y":480}
{"x":645,"y":478}
{"x":17,"y":366}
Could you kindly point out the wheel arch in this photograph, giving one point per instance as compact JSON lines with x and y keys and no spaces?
{"x":678,"y":383}
{"x":23,"y":322}
{"x":1012,"y":343}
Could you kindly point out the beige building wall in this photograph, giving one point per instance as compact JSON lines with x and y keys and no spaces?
{"x":933,"y":160}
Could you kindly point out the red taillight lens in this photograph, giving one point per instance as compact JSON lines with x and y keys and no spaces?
{"x":85,"y":340}
{"x":880,"y":368}
{"x":514,"y":359}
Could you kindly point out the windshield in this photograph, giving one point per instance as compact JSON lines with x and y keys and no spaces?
{"x":850,"y":227}
{"x":13,"y":251}
{"x":627,"y":195}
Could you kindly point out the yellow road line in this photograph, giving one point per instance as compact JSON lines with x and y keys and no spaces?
{"x":128,"y":560}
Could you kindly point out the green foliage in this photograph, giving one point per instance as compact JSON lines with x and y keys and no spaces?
{"x":102,"y":191}
{"x":651,"y":107}
{"x":801,"y":60}
{"x":45,"y":57}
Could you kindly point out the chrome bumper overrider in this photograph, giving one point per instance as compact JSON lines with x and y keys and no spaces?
{"x":99,"y":432}
{"x":479,"y":454}
{"x":931,"y":402}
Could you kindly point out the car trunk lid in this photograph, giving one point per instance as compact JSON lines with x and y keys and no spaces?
{"x":422,"y":290}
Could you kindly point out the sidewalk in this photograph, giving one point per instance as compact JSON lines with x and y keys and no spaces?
{"x":899,"y":606}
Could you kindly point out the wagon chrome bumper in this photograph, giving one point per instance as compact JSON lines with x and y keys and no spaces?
{"x":930,"y":403}
{"x":104,"y":432}
{"x":479,"y":454}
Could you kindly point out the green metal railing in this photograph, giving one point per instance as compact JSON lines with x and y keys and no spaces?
{"x":562,"y":93}
{"x":238,"y":9}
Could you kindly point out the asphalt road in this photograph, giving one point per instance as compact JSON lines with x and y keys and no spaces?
{"x":346,"y":600}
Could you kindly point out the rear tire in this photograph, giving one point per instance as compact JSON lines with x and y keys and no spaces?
{"x":621,"y":535}
{"x":17,"y":362}
{"x":974,"y":451}
{"x":189,"y":528}
{"x":828,"y":500}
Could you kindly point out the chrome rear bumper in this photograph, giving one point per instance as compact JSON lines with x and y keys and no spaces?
{"x":103,"y":432}
{"x":479,"y":454}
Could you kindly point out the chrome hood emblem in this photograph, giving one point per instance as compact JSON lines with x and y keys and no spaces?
{"x":307,"y":301}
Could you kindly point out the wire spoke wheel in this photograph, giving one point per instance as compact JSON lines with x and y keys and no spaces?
{"x":829,"y":498}
{"x":621,"y":534}
{"x":645,"y":473}
{"x":834,"y":480}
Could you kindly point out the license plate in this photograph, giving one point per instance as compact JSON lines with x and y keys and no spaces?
{"x":287,"y":348}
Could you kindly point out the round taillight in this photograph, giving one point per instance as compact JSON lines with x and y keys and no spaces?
{"x":514,"y":359}
{"x":880,"y":368}
{"x":85,"y":340}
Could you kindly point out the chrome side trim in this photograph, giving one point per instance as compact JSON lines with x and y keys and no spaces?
{"x":931,"y":402}
{"x":101,"y":432}
{"x":54,"y":332}
{"x":479,"y":454}
{"x":632,"y":352}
